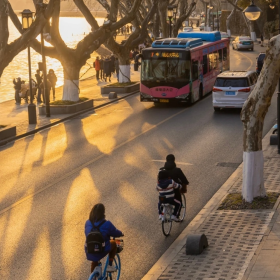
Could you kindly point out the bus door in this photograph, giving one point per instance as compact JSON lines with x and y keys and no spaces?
{"x":195,"y":80}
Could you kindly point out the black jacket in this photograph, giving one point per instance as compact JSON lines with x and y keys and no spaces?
{"x":107,"y":66}
{"x":17,"y":84}
{"x":175,"y":173}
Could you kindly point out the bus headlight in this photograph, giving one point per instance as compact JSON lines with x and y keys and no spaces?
{"x":183,"y":96}
{"x":144,"y":95}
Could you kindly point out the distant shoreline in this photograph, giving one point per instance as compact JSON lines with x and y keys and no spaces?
{"x":100,"y":14}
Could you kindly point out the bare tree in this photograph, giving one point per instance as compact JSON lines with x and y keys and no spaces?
{"x":9,"y":51}
{"x":140,"y":23}
{"x":253,"y":114}
{"x":72,"y":59}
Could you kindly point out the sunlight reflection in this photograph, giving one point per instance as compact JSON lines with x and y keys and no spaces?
{"x":130,"y":193}
{"x":78,"y":194}
{"x":12,"y":225}
{"x":54,"y":150}
{"x":41,"y":259}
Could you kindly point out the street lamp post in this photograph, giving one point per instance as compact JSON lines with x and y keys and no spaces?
{"x":44,"y":69}
{"x":27,"y":19}
{"x":206,"y":17}
{"x":174,"y":13}
{"x":170,"y":15}
{"x":253,"y":13}
{"x":210,"y":7}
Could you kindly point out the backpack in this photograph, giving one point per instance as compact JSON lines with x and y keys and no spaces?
{"x":95,"y":241}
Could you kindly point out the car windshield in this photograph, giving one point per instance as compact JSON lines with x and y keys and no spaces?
{"x":230,"y":82}
{"x":166,"y":67}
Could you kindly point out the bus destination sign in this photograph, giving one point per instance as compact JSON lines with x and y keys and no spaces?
{"x":166,"y":54}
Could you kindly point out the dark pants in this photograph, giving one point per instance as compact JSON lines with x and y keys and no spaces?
{"x":101,"y":74}
{"x":53,"y":90}
{"x":107,"y":76}
{"x":171,"y":201}
{"x":39,"y":95}
{"x":17,"y":98}
{"x":97,"y":74}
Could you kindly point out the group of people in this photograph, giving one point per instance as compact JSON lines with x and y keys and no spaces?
{"x":105,"y":67}
{"x":171,"y":183}
{"x":22,"y":89}
{"x":125,"y":29}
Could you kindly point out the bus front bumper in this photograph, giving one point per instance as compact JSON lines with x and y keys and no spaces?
{"x":179,"y":99}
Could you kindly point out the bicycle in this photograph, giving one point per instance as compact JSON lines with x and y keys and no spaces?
{"x":97,"y":272}
{"x":167,"y":210}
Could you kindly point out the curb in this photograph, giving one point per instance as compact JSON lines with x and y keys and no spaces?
{"x":164,"y":261}
{"x":6,"y":141}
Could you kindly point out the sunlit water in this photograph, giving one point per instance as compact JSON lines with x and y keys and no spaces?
{"x":72,"y":30}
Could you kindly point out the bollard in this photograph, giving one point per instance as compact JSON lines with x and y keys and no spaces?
{"x":195,"y":244}
{"x":112,"y":95}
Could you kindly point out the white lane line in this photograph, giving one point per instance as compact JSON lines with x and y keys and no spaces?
{"x":181,"y":163}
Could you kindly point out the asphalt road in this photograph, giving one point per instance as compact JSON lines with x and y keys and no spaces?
{"x":51,"y":180}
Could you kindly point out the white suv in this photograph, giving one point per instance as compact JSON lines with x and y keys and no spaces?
{"x":232,"y":88}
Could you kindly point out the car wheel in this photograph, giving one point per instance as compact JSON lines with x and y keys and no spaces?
{"x":216,"y":109}
{"x":252,"y":49}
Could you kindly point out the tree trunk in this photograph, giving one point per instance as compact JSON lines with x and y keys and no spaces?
{"x":163,"y":16}
{"x":71,"y":82}
{"x":253,"y":115}
{"x":124,"y":73}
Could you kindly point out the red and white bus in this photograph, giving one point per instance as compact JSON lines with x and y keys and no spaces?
{"x":183,"y":69}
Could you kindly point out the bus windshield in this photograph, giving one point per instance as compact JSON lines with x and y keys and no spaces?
{"x":165,"y":68}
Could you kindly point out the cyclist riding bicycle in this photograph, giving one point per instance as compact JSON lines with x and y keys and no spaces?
{"x":177,"y":175}
{"x":166,"y":188}
{"x":107,"y":229}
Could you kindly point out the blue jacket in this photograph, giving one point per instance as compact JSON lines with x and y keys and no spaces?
{"x":107,"y":230}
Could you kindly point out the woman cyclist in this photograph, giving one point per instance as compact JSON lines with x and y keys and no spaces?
{"x":107,"y":229}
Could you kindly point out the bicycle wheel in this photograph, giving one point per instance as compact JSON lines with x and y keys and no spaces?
{"x":183,"y":209}
{"x":117,"y":265}
{"x":167,"y":222}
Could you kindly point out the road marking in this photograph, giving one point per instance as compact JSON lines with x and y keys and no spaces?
{"x":77,"y":169}
{"x":249,"y":59}
{"x":181,"y":163}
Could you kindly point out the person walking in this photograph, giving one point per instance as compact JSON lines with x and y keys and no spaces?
{"x":17,"y":87}
{"x":113,"y":63}
{"x":48,"y":89}
{"x":107,"y":68}
{"x":101,"y":61}
{"x":262,"y":40}
{"x":53,"y":79}
{"x":117,"y":67}
{"x":96,"y":65}
{"x":39,"y":81}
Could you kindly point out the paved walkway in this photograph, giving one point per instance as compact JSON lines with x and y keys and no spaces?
{"x":243,"y":244}
{"x":13,"y":114}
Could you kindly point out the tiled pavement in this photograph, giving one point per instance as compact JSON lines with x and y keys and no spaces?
{"x":12,"y":114}
{"x":243,"y":244}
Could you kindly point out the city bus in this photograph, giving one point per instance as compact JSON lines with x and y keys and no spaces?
{"x":182,"y":69}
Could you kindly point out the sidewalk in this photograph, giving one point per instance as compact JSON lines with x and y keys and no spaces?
{"x":243,"y":244}
{"x":13,"y":114}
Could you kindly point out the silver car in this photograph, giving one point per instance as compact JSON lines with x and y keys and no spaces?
{"x":232,"y":88}
{"x":243,"y":43}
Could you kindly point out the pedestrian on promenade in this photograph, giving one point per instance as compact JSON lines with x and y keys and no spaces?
{"x":113,"y":63}
{"x":117,"y":67}
{"x":177,"y":175}
{"x":17,"y":87}
{"x":39,"y":81}
{"x":53,"y":79}
{"x":23,"y":90}
{"x":107,"y":229}
{"x":262,"y":40}
{"x":96,"y":65}
{"x":127,"y":29}
{"x":107,"y":68}
{"x":101,"y":61}
{"x":48,"y":90}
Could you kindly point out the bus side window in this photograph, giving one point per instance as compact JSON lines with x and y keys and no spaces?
{"x":194,"y":70}
{"x":225,"y":54}
{"x":205,"y":66}
{"x":210,"y":58}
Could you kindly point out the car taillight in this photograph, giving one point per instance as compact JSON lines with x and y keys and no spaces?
{"x":244,"y":90}
{"x":240,"y":42}
{"x":216,"y":89}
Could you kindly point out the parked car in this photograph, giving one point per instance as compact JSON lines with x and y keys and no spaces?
{"x":201,"y":27}
{"x":260,"y":60}
{"x":187,"y":29}
{"x":232,"y":88}
{"x":243,"y":43}
{"x":224,"y":35}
